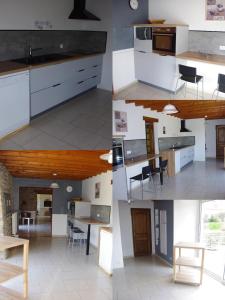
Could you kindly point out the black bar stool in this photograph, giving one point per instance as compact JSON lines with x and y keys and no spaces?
{"x":147,"y":173}
{"x":220,"y":86}
{"x":163,"y":167}
{"x":189,"y":74}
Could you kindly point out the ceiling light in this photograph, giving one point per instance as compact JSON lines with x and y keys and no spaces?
{"x":170,"y":109}
{"x":107,"y":156}
{"x":54,"y":174}
{"x":54,"y":185}
{"x":206,"y":117}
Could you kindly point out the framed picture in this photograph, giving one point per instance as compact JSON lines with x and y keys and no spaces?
{"x":215,"y":10}
{"x":121,"y":121}
{"x":97,"y":190}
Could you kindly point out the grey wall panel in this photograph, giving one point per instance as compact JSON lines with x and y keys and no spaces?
{"x":123,"y":19}
{"x":60,"y":196}
{"x":168,"y":206}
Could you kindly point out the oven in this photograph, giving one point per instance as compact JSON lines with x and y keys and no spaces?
{"x":118,"y":159}
{"x":164,"y":40}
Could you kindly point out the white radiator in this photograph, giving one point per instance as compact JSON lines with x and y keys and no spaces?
{"x":14,"y":223}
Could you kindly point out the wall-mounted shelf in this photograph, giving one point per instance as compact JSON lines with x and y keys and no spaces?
{"x":9,"y":271}
{"x":188,"y":269}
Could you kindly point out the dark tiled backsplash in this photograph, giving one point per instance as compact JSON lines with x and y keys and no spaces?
{"x":206,"y":42}
{"x":134,"y":148}
{"x":14,"y":43}
{"x":167,"y":143}
{"x":101,"y":213}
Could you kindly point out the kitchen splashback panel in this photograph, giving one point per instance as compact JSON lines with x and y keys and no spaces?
{"x":166,"y":143}
{"x":15,"y":43}
{"x":101,"y":213}
{"x":134,"y":148}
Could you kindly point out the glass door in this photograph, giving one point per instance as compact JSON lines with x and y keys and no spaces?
{"x":213,"y":236}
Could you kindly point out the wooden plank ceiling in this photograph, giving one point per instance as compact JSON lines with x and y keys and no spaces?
{"x":188,"y":109}
{"x":71,"y":165}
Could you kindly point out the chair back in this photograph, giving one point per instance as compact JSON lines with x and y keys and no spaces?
{"x":146,"y":170}
{"x":164,"y":164}
{"x":221,"y":83}
{"x":187,"y":71}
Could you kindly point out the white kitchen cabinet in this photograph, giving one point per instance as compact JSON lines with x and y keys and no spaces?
{"x":120,"y":181}
{"x":52,"y":85}
{"x":183,"y":157}
{"x":14,"y":102}
{"x":156,"y":69}
{"x":105,"y":250}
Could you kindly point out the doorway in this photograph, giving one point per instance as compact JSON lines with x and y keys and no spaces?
{"x":150,"y":140}
{"x":220,"y":141}
{"x":213,"y":236}
{"x":141,"y":228}
{"x":35,"y":212}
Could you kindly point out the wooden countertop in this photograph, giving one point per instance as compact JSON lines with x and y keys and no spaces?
{"x":140,"y":159}
{"x":201,"y":57}
{"x":10,"y":67}
{"x":90,"y":221}
{"x":108,"y":229}
{"x":160,"y":25}
{"x":7,"y":242}
{"x":169,"y":150}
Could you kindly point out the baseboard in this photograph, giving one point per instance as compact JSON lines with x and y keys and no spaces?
{"x":163,"y":260}
{"x":124,"y":87}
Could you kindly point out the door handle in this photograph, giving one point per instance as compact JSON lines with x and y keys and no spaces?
{"x":55,"y":85}
{"x":142,"y":51}
{"x":81,"y":70}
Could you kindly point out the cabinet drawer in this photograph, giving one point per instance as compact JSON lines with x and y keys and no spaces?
{"x":87,"y":73}
{"x":88,"y":62}
{"x":85,"y":85}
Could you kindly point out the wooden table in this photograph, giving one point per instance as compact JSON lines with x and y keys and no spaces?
{"x":8,"y":271}
{"x":89,"y":221}
{"x":143,"y":158}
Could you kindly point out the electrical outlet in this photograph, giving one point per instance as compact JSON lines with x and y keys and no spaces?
{"x":222,"y":47}
{"x":129,"y":152}
{"x":61,"y":46}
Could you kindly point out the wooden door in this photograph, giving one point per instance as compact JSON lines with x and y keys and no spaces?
{"x":150,"y":141}
{"x":141,"y":225}
{"x":220,"y":141}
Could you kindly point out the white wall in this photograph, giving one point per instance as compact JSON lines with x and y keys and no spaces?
{"x":88,"y":194}
{"x":126,"y":225}
{"x":186,"y":220}
{"x":191,"y":12}
{"x":211,"y":136}
{"x":197,"y":127}
{"x":22,"y":14}
{"x":59,"y":225}
{"x":123,"y":69}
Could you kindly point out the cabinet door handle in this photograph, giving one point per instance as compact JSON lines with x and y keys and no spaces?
{"x":95,"y":66}
{"x":142,"y":51}
{"x":81,"y":70}
{"x":94,"y":76}
{"x":55,"y":85}
{"x":80,"y":82}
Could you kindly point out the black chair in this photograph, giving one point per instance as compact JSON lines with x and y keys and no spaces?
{"x":220,"y":86}
{"x":147,"y":173}
{"x":189,"y":74}
{"x":163,"y":167}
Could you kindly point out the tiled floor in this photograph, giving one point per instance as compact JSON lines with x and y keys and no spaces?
{"x":150,"y":279}
{"x":82,"y":123}
{"x":143,"y":91}
{"x":57,"y":272}
{"x":199,"y":180}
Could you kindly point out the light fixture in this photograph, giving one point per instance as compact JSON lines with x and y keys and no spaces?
{"x":107,"y":156}
{"x":170,"y":109}
{"x":206,"y":117}
{"x":54,"y":185}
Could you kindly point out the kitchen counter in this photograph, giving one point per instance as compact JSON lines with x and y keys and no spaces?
{"x":203,"y":57}
{"x":107,"y":229}
{"x":9,"y":67}
{"x":90,"y":221}
{"x":160,"y":25}
{"x":140,"y":159}
{"x":173,"y":150}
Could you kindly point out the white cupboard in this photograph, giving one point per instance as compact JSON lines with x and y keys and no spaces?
{"x":14,"y":102}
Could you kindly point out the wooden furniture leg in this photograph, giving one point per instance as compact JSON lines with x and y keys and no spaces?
{"x":25,"y":268}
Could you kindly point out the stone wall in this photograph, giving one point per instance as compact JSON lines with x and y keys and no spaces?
{"x":5,"y":216}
